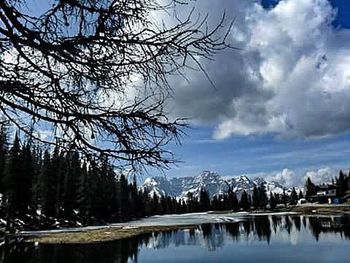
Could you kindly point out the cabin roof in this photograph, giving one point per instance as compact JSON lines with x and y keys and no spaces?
{"x":326,"y":187}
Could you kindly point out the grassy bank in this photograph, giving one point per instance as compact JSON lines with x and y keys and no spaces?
{"x":323,"y":209}
{"x":101,"y":235}
{"x":116,"y":233}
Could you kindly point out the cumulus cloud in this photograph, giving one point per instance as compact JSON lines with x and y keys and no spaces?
{"x":290,"y":78}
{"x":323,"y":175}
{"x":286,"y":178}
{"x":291,"y":178}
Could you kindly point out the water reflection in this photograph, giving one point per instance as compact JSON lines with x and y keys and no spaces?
{"x":262,"y":229}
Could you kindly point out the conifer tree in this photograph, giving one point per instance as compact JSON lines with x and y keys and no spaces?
{"x":83,"y":192}
{"x":293,"y":197}
{"x":27,"y":174}
{"x":215,"y":203}
{"x":341,"y":184}
{"x":310,"y":187}
{"x":204,"y":200}
{"x":256,"y":199}
{"x":277,"y":198}
{"x":70,"y":184}
{"x":263,"y":199}
{"x":300,"y":196}
{"x":249,"y":201}
{"x":284,"y":198}
{"x":3,"y":154}
{"x":107,"y":177}
{"x":122,"y":191}
{"x":244,"y":203}
{"x":232,"y":200}
{"x":135,"y":202}
{"x":47,"y":187}
{"x":272,"y":201}
{"x":155,"y":206}
{"x":11,"y":178}
{"x":37,"y":159}
{"x":235,"y":205}
{"x":94,"y":200}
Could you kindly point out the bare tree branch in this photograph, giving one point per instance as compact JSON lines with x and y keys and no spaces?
{"x":70,"y":68}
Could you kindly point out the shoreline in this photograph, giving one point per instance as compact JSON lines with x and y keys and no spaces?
{"x":319,"y":209}
{"x":116,"y":232}
{"x":107,"y":234}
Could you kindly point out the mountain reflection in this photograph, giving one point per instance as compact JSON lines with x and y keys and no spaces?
{"x":209,"y":236}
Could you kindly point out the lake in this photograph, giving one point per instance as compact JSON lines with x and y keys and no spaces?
{"x":272,"y":238}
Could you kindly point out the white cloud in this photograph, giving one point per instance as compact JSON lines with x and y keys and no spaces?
{"x":286,"y":178}
{"x":291,"y":178}
{"x":323,"y":175}
{"x":292,"y":77}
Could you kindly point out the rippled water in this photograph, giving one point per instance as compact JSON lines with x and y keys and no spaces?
{"x":276,"y":238}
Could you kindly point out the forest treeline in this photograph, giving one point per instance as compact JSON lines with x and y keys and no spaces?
{"x":340,"y":182}
{"x":50,"y":189}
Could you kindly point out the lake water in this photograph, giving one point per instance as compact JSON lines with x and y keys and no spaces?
{"x":277,"y":238}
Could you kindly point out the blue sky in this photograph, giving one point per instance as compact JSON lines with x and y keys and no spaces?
{"x":281,"y":102}
{"x":259,"y":154}
{"x":264,"y":152}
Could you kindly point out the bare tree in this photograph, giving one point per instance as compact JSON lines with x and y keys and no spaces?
{"x":69,"y":69}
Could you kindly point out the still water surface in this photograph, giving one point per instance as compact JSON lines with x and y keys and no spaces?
{"x":276,"y":238}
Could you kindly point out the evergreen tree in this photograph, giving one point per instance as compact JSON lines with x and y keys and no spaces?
{"x":12,"y":177}
{"x":123,"y":195}
{"x":263,"y":199}
{"x":162,"y":206}
{"x":300,"y":196}
{"x":56,"y":173}
{"x":47,"y":188}
{"x":341,"y":184}
{"x":3,"y":154}
{"x":310,"y":187}
{"x":272,"y":201}
{"x":284,"y":198}
{"x":108,"y":184}
{"x":135,"y":201}
{"x":277,"y":198}
{"x":293,"y":197}
{"x":204,"y":200}
{"x":190,"y":203}
{"x":232,"y":200}
{"x":244,"y":203}
{"x":83,"y":192}
{"x":235,"y":205}
{"x":256,"y":198}
{"x":155,"y":204}
{"x":70,"y":184}
{"x":37,"y":160}
{"x":215,"y":203}
{"x":27,"y":174}
{"x":249,"y":201}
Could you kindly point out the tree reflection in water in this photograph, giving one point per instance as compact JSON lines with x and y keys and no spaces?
{"x":262,"y":228}
{"x":287,"y":224}
{"x":297,"y":222}
{"x":210,"y":236}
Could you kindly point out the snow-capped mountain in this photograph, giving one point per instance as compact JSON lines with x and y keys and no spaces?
{"x":211,"y":181}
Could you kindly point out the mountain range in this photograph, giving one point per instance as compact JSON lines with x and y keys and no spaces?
{"x":214,"y":183}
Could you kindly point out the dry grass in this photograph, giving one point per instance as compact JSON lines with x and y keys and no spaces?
{"x":101,"y":235}
{"x":116,"y":233}
{"x":321,"y":209}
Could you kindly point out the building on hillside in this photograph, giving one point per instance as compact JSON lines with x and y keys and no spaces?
{"x":346,"y":197}
{"x":325,"y":193}
{"x":326,"y":190}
